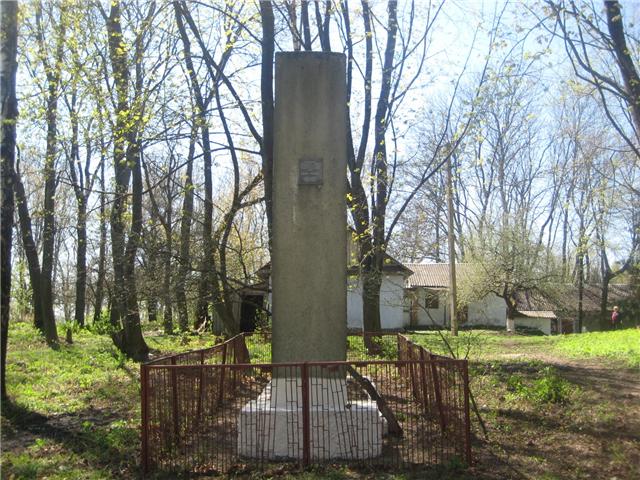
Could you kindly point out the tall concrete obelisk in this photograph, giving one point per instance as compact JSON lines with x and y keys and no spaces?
{"x":309,"y":276}
{"x":309,"y":259}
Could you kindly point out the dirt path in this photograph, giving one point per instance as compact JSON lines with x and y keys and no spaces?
{"x":595,"y":435}
{"x":622,"y":381}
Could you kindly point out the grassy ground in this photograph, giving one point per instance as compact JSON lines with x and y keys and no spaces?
{"x":621,"y":346}
{"x":555,"y":407}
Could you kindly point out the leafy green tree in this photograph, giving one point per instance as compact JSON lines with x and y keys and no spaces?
{"x":504,"y":261}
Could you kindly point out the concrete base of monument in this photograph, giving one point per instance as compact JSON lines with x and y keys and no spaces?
{"x":271,"y":427}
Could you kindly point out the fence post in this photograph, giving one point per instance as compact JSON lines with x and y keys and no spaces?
{"x":306,"y":441}
{"x":436,"y":388}
{"x":222,"y":373}
{"x":423,"y":374}
{"x":144,"y":376}
{"x":174,"y":396}
{"x":201,"y":396}
{"x":467,"y":415}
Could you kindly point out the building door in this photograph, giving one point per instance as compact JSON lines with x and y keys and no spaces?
{"x":251,"y":305}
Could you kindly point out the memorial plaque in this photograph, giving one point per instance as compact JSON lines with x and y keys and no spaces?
{"x":310,"y":171}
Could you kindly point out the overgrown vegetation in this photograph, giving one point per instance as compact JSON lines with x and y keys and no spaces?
{"x":75,"y":412}
{"x":549,"y":387}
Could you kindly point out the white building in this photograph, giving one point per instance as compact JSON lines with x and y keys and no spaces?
{"x":412,"y":296}
{"x":427,"y":292}
{"x":392,"y":296}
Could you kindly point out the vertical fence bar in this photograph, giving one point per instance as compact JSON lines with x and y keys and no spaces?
{"x":222,"y":373}
{"x":306,"y":414}
{"x":201,"y":384}
{"x":467,"y":415}
{"x":144,"y":377}
{"x":423,"y":374}
{"x":174,"y":396}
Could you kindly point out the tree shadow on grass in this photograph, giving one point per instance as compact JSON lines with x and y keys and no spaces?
{"x":89,"y":434}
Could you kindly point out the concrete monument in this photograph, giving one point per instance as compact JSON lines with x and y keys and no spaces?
{"x":309,"y":272}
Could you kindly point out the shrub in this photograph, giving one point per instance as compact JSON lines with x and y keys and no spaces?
{"x":103,"y":325}
{"x":549,"y":388}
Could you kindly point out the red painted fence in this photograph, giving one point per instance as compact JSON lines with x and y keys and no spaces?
{"x":209,"y":411}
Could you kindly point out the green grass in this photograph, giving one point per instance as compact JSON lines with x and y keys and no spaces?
{"x":46,"y":459}
{"x":94,"y":391}
{"x":90,"y":372}
{"x":93,"y":394}
{"x":621,"y":346}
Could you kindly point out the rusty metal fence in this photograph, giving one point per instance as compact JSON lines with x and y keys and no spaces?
{"x":233,"y":350}
{"x":204,"y":413}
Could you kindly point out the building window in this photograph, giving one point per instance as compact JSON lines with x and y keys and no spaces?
{"x":432,"y":300}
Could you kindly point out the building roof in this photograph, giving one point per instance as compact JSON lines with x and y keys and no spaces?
{"x":432,"y":275}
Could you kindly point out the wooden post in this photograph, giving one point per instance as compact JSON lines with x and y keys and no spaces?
{"x":436,"y":388}
{"x":452,"y":251}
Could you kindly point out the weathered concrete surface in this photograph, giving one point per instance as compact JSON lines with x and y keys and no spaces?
{"x":271,"y":426}
{"x":309,"y":263}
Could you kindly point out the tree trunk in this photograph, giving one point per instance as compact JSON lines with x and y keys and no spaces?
{"x":204,"y":284}
{"x":511,"y":313}
{"x":624,"y":59}
{"x":580,"y":274}
{"x":152,"y":309}
{"x":167,"y":317}
{"x":30,"y":251}
{"x":372,"y":274}
{"x":453,"y":287}
{"x":81,"y":222}
{"x":102,"y":255}
{"x":604,"y":299}
{"x":53,"y":74}
{"x":371,"y":283}
{"x":185,"y":235}
{"x":134,"y":344}
{"x":9,"y":105}
{"x":81,"y":264}
{"x":126,"y":157}
{"x":266,"y":90}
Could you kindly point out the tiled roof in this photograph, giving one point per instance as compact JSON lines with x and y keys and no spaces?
{"x":431,"y":275}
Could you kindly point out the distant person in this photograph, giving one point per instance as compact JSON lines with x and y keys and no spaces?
{"x":615,"y":318}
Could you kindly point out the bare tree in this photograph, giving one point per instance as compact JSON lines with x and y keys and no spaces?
{"x":593,"y":43}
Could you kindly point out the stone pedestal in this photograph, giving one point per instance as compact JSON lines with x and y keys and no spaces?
{"x":271,"y":427}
